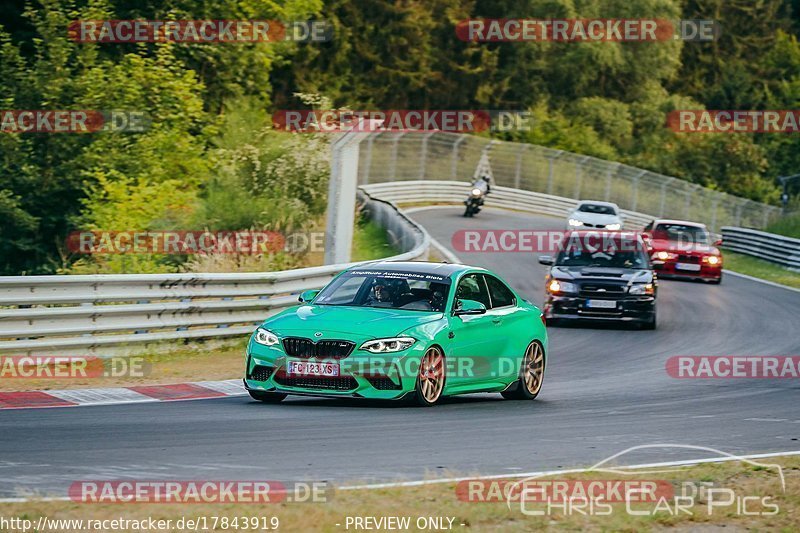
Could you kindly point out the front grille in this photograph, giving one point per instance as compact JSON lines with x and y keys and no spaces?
{"x":341,"y":383}
{"x":327,"y":349}
{"x":260,"y":373}
{"x":689,"y":258}
{"x":602,"y":290}
{"x":382,"y":383}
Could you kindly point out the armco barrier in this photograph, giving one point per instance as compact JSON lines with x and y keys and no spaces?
{"x":784,"y":251}
{"x":104,"y":314}
{"x":405,"y":192}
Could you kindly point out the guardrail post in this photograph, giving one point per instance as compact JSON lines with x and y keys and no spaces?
{"x":368,"y":162}
{"x":342,"y":192}
{"x":393,"y":165}
{"x":551,"y":170}
{"x":635,"y":201}
{"x":579,"y":177}
{"x":518,"y":171}
{"x":688,"y":195}
{"x":454,"y":160}
{"x":714,"y":205}
{"x":424,"y":159}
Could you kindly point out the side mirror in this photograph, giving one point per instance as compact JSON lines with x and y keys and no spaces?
{"x":718,"y":242}
{"x":469,"y":307}
{"x":307,"y":296}
{"x":546,"y":260}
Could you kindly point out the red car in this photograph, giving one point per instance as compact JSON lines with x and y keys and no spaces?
{"x":683,"y":249}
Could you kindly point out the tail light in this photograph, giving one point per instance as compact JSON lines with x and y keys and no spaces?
{"x":543,"y":319}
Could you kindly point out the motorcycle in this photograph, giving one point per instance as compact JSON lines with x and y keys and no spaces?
{"x":474,"y":201}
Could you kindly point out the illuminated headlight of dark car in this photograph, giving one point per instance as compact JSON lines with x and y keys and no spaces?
{"x":557,"y":286}
{"x":265,"y":337}
{"x":642,"y":288}
{"x":394,"y":344}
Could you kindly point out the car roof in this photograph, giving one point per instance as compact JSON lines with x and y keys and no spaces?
{"x":658,"y":221}
{"x":418,"y":267}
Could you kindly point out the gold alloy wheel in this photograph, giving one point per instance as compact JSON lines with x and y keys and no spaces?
{"x":431,"y":375}
{"x":533,"y":368}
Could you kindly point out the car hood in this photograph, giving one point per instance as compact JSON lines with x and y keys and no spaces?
{"x":659,"y":245}
{"x":606,"y":274}
{"x":594,"y":218}
{"x":347,"y":322}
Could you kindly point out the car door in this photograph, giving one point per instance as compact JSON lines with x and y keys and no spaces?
{"x":506,"y":321}
{"x":471,"y":336}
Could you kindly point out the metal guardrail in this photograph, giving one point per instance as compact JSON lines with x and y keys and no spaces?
{"x":784,"y":251}
{"x":105,"y":314}
{"x":405,"y":192}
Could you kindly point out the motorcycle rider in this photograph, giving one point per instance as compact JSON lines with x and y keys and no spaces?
{"x":480,"y":189}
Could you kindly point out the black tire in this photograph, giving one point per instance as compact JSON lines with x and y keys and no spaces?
{"x":520,"y":390}
{"x":650,"y":324}
{"x":423,"y":396}
{"x":468,"y":211}
{"x":266,"y":397}
{"x":716,"y":281}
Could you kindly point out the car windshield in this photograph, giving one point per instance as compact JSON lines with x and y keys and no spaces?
{"x":606,"y":253}
{"x":597,"y":209}
{"x":682,"y":233}
{"x":387,"y":289}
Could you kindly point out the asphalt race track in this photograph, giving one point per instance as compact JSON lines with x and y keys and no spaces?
{"x":605,"y":390}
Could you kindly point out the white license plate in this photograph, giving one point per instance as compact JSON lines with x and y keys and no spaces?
{"x":304,"y":368}
{"x":601,"y":304}
{"x":687,"y":266}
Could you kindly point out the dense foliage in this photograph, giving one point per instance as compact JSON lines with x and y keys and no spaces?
{"x":210,"y":161}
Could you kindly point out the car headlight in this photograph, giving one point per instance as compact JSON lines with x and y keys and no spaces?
{"x":711,"y":259}
{"x":476,"y":192}
{"x":662,"y":255}
{"x":265,"y":337}
{"x":558,"y":286}
{"x":394,"y":344}
{"x":642,"y":288}
{"x":614,"y":227}
{"x":575,"y":222}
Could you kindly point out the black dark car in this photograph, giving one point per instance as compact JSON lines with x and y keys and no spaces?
{"x":601,"y":276}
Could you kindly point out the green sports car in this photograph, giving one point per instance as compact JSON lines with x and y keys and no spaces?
{"x":401,"y":330}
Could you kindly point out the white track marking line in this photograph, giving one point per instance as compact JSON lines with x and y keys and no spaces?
{"x":759,"y":280}
{"x":570,"y":471}
{"x":229,"y":387}
{"x":418,"y":483}
{"x":99,"y":396}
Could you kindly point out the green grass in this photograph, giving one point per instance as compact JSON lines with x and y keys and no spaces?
{"x":371,"y":242}
{"x":759,"y":268}
{"x":788,"y":225}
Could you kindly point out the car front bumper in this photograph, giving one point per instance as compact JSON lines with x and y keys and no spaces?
{"x":629,"y":309}
{"x":361,"y":374}
{"x":707,"y":272}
